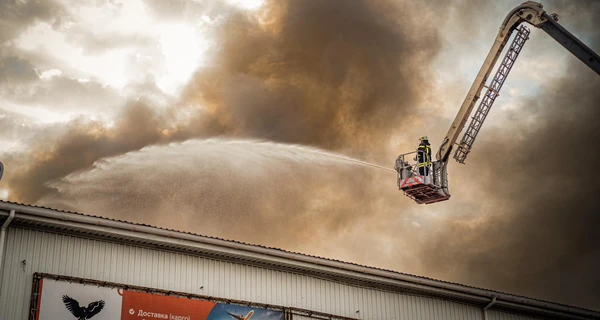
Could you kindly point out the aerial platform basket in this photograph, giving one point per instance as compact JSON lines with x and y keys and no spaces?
{"x":423,"y":189}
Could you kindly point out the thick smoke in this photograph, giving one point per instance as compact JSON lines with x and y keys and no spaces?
{"x":536,"y":231}
{"x":346,"y":76}
{"x":332,"y":74}
{"x":57,"y":152}
{"x":327,"y":73}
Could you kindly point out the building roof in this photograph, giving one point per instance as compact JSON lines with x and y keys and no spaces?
{"x":241,"y":252}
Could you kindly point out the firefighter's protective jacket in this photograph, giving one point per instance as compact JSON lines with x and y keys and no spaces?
{"x":424,"y":154}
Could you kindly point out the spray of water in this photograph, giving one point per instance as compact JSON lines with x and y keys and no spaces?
{"x":207,"y":186}
{"x":225,"y":158}
{"x":345,"y":158}
{"x":300,"y":152}
{"x":257,"y":152}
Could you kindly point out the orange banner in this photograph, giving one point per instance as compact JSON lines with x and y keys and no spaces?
{"x":139,"y":305}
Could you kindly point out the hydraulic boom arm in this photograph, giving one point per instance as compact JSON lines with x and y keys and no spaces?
{"x":427,"y":188}
{"x":532,"y":13}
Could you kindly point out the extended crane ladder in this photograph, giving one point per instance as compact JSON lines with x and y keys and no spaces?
{"x":492,"y":93}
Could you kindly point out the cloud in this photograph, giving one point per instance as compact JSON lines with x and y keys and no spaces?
{"x":94,"y":43}
{"x":15,"y":129}
{"x":21,"y":83}
{"x":15,"y":69}
{"x":17,"y":16}
{"x":188,"y":11}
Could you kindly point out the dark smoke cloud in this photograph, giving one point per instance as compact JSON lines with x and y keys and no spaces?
{"x":343,"y":77}
{"x":346,"y":75}
{"x":538,"y":236}
{"x":326,"y":73}
{"x":78,"y":146}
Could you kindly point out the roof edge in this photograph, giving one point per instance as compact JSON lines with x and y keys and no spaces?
{"x":301,"y":261}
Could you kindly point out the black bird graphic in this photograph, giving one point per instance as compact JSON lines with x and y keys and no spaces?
{"x":82,"y":313}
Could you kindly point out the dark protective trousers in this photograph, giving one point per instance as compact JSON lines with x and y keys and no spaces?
{"x":424,"y":156}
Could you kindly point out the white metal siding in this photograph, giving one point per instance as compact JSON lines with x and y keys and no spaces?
{"x":78,"y":257}
{"x":497,"y":315}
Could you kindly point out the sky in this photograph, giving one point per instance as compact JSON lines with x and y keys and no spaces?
{"x":214,"y":116}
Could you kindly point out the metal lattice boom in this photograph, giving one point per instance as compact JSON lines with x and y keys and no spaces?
{"x":493,"y":91}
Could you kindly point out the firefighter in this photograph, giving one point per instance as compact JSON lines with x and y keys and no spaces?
{"x":424,"y":156}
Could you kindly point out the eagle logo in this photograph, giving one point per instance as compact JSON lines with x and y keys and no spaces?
{"x":82,"y":313}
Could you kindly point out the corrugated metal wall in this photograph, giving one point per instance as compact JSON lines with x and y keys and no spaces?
{"x":296,"y":317}
{"x":495,"y":315}
{"x":121,"y":263}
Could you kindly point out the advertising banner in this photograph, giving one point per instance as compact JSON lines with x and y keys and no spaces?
{"x":65,"y":300}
